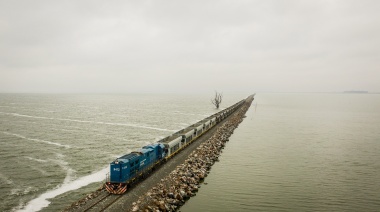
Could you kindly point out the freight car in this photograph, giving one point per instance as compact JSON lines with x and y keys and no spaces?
{"x":130,"y":167}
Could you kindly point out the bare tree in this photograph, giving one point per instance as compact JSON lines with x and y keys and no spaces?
{"x":217,"y":99}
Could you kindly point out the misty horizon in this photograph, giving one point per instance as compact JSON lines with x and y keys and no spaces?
{"x":189,"y":47}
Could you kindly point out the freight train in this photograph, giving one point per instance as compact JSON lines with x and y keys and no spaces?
{"x":131,"y":167}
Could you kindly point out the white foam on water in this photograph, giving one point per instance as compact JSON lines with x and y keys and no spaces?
{"x":36,"y":159}
{"x":155,"y":128}
{"x":43,"y":172}
{"x":37,"y":140}
{"x":187,"y":114}
{"x":23,"y":115}
{"x":133,"y":125}
{"x":22,"y":192}
{"x":64,"y":165}
{"x":157,"y":139}
{"x":128,"y":140}
{"x":49,"y":111}
{"x":61,"y":129}
{"x":15,"y":191}
{"x":186,"y":124}
{"x":27,"y":190}
{"x":68,"y":185}
{"x":115,"y":156}
{"x":93,"y":122}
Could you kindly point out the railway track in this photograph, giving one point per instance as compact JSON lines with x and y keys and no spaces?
{"x":106,"y":200}
{"x":103,"y":202}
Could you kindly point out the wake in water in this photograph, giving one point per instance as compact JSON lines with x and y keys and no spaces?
{"x":35,"y":159}
{"x":37,"y":140}
{"x":42,"y":201}
{"x":93,"y":122}
{"x":33,"y":128}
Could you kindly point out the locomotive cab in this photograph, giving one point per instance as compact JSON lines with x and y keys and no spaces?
{"x":115,"y":171}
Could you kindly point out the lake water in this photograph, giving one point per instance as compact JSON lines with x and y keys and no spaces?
{"x":293,"y":152}
{"x":54,"y":148}
{"x":299,"y":152}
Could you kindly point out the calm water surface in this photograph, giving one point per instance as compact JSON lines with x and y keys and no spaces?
{"x":299,"y":152}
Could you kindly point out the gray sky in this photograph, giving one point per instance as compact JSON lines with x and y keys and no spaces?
{"x":189,"y":46}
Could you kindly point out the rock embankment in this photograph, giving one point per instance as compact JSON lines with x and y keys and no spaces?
{"x":182,"y":183}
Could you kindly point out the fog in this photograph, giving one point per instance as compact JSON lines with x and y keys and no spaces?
{"x":189,"y":46}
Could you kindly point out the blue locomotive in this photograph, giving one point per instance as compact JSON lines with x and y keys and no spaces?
{"x":128,"y":168}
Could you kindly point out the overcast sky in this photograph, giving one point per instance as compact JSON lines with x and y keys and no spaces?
{"x":189,"y":46}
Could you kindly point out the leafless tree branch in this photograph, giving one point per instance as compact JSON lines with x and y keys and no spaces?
{"x":217,"y":99}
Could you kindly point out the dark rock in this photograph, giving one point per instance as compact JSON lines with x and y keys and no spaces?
{"x":171,"y":195}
